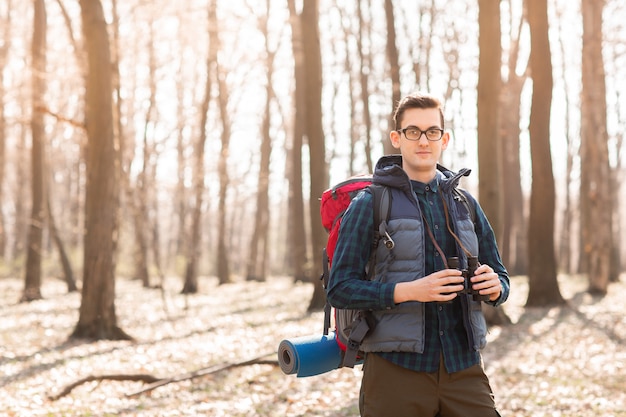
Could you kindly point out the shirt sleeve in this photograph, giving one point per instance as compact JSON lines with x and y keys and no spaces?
{"x":489,"y":254}
{"x":347,"y":287}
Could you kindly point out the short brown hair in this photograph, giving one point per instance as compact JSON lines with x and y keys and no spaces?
{"x":417,"y":100}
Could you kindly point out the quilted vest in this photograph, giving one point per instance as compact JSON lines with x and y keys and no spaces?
{"x":402,"y":328}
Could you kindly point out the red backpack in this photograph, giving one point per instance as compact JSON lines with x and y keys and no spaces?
{"x":351,"y":326}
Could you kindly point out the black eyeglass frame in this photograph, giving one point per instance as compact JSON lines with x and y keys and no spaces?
{"x":422,"y":132}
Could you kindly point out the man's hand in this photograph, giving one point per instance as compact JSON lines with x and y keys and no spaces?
{"x":439,"y":286}
{"x":487,"y":282}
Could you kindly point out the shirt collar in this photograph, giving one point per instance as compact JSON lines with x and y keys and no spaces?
{"x":432,"y":186}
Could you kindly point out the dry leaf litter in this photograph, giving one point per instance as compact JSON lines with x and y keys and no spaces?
{"x":567,"y":361}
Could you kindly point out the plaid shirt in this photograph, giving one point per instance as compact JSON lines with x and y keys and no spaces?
{"x":444,"y":333}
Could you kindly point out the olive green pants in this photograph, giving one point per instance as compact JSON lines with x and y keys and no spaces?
{"x":390,"y":390}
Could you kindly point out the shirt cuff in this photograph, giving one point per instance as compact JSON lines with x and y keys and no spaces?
{"x":386,"y":295}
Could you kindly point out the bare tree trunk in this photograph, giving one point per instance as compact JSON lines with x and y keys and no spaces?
{"x":348,"y":64}
{"x":4,"y":50}
{"x":364,"y":70}
{"x":223,"y":258}
{"x":97,"y":318}
{"x":514,"y":234}
{"x":138,"y":197}
{"x":428,"y":45}
{"x":75,"y":210}
{"x":542,"y":277}
{"x":297,"y":230}
{"x":68,"y":273}
{"x":20,"y":198}
{"x":190,"y":285}
{"x":595,"y":195}
{"x":489,"y":86}
{"x":32,"y":282}
{"x":618,"y":223}
{"x":315,"y":134}
{"x":257,"y":259}
{"x":451,"y":48}
{"x":514,"y":229}
{"x":566,"y":243}
{"x":180,"y":195}
{"x":419,"y":51}
{"x":489,"y":139}
{"x":394,"y":70}
{"x":138,"y":206}
{"x":128,"y":193}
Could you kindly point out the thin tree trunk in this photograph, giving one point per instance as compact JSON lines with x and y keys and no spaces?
{"x":257,"y":263}
{"x":364,"y":70}
{"x":418,"y":50}
{"x":428,"y":45}
{"x":348,"y":64}
{"x":595,"y":195}
{"x":21,"y":195}
{"x":180,"y":195}
{"x":223,"y":258}
{"x":68,"y":273}
{"x":489,"y":86}
{"x":297,"y":231}
{"x":138,"y":206}
{"x":542,"y":277}
{"x":618,"y":222}
{"x":318,"y":169}
{"x":32,"y":282}
{"x":514,"y":229}
{"x":4,"y":50}
{"x":489,"y":139}
{"x":190,"y":285}
{"x":394,"y":70}
{"x":566,"y":244}
{"x":139,"y":195}
{"x":514,"y":234}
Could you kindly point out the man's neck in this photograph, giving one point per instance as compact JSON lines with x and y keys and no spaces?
{"x":423,"y":176}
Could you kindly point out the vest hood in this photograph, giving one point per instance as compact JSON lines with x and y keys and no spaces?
{"x":389,"y":172}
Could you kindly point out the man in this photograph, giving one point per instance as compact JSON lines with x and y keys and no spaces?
{"x":422,"y":356}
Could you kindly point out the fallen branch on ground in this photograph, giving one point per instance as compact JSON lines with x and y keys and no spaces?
{"x":205,"y":371}
{"x":155,"y":382}
{"x":112,"y":377}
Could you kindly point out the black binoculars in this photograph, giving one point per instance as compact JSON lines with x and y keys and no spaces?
{"x":467,"y":274}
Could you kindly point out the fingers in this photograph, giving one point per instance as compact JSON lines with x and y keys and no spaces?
{"x":487,"y":282}
{"x":447,"y":284}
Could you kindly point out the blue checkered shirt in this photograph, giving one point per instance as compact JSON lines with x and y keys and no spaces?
{"x":445,"y":333}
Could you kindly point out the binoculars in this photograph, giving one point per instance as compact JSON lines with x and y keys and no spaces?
{"x":467,"y":274}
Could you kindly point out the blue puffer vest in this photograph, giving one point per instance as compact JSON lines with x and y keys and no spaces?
{"x":402,"y":328}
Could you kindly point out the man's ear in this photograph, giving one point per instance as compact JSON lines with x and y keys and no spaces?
{"x":444,"y":140}
{"x":394,"y":137}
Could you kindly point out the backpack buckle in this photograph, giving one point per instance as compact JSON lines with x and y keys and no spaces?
{"x":389,"y":243}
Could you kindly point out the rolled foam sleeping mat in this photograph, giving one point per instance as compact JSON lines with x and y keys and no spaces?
{"x":309,"y":355}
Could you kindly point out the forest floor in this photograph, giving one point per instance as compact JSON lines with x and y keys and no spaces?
{"x":565,"y":361}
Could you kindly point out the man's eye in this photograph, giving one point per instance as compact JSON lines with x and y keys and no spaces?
{"x":433,"y":133}
{"x":413,"y":132}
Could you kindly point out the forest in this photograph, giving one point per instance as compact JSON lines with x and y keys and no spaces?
{"x":182,"y":148}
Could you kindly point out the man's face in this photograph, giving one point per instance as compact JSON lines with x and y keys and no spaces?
{"x":420,"y":157}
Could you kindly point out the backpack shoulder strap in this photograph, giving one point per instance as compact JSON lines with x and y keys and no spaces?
{"x":381,"y":203}
{"x":363,"y":323}
{"x":381,"y":200}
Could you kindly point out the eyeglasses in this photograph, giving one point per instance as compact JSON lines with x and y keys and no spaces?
{"x":432,"y":134}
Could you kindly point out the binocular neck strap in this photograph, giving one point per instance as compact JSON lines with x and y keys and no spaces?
{"x":445,"y":210}
{"x":432,"y":239}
